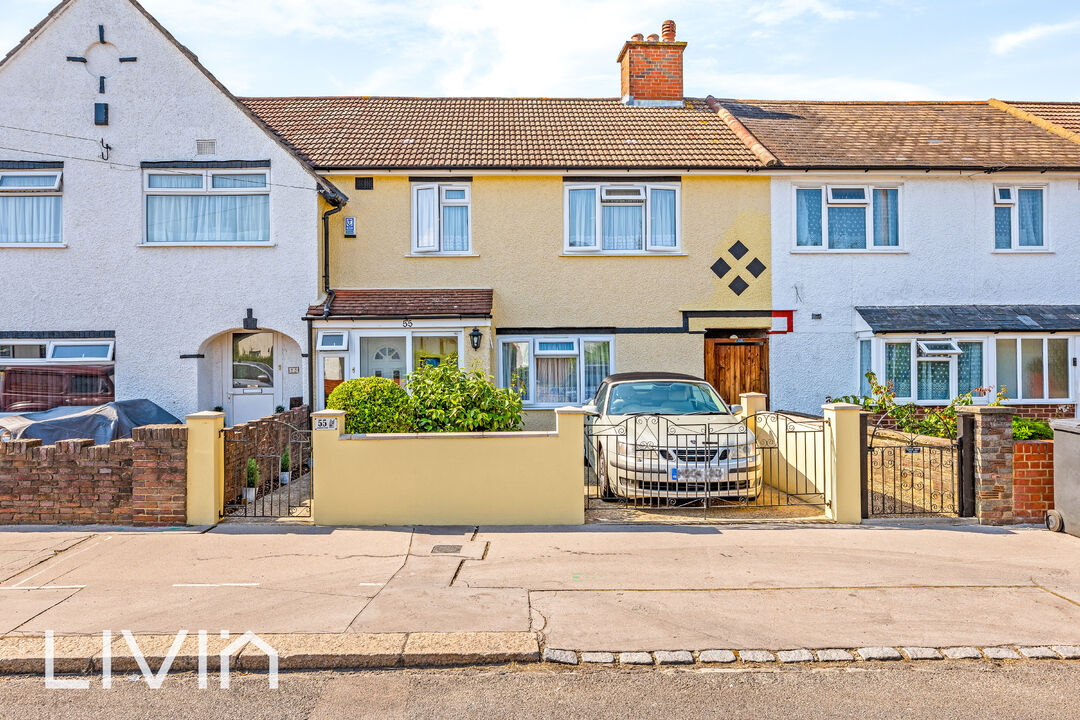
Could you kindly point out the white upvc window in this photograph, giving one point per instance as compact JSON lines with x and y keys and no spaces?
{"x":31,"y":208}
{"x":847,"y":217}
{"x":930,"y":370}
{"x":441,"y":218}
{"x":1034,"y":368}
{"x":331,"y":340}
{"x":1019,"y":218}
{"x":79,"y":352}
{"x":555,"y":371}
{"x":207,"y":207}
{"x":621,"y":218}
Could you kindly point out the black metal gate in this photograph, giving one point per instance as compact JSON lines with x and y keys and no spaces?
{"x":694,"y":467}
{"x":918,"y":476}
{"x":267,"y":470}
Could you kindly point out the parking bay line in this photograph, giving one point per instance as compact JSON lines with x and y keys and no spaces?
{"x":213,"y":585}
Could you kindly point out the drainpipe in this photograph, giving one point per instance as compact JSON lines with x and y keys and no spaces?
{"x":338,"y":206}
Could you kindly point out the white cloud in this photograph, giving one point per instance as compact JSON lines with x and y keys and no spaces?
{"x":781,"y":12}
{"x":1010,"y":41}
{"x":793,"y":86}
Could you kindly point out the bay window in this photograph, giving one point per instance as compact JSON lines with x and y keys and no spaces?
{"x":441,"y":218}
{"x":1033,"y":368}
{"x":847,"y":217}
{"x":933,"y":370}
{"x":31,"y":208}
{"x":553,"y":371}
{"x":1019,"y":218}
{"x":621,"y":218}
{"x":207,"y":206}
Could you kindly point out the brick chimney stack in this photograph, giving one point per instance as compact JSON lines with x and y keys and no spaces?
{"x":652,"y":68}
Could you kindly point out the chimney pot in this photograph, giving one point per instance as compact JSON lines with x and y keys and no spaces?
{"x":637,"y":37}
{"x":654,"y":38}
{"x":668,"y":30}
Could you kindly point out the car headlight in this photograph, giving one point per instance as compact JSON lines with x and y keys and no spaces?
{"x":643,"y":448}
{"x":739,"y":452}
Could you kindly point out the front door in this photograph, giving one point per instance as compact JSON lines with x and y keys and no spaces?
{"x":736,"y":366}
{"x":252,"y":377}
{"x":384,"y":357}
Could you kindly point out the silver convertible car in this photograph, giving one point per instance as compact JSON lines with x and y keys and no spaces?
{"x":667,"y":436}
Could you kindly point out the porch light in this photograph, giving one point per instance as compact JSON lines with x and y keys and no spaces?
{"x":475,"y":337}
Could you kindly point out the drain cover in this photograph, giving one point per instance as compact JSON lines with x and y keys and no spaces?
{"x":445,"y":549}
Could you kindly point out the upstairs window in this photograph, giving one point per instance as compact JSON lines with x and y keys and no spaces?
{"x":621,"y":218}
{"x":207,"y":207}
{"x":30,"y":208}
{"x":1019,"y":218}
{"x":441,"y":218}
{"x":847,"y":217}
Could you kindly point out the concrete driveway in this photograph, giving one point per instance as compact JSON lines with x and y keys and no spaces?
{"x":588,"y":588}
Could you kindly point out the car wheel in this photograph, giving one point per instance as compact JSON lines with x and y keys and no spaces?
{"x":601,"y":476}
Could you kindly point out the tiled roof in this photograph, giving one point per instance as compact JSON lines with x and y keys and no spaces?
{"x":972,"y":318}
{"x":860,"y":135}
{"x":1063,"y":114}
{"x":452,"y":302}
{"x":496,"y":133}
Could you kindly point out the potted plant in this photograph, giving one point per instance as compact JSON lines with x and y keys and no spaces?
{"x":252,"y":485}
{"x":286,"y":466}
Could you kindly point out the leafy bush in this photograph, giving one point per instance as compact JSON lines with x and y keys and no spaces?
{"x":1027,"y":429}
{"x":447,"y":398}
{"x":252,"y":473}
{"x":286,"y":460}
{"x":373,"y":405}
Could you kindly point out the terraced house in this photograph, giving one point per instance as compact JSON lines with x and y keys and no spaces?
{"x":554,"y":241}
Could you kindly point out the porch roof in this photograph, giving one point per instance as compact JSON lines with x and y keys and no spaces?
{"x":971,"y":318}
{"x":402,"y":303}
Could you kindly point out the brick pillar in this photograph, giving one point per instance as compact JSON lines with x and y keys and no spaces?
{"x":993,"y":464}
{"x":159,"y":475}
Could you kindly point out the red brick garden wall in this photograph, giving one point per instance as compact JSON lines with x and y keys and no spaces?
{"x":265,"y":439}
{"x":141,"y":481}
{"x":1033,"y":479}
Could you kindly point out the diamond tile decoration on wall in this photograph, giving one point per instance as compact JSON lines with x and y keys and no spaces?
{"x":720,"y":268}
{"x":756,"y":267}
{"x":738,"y":285}
{"x":738,"y":250}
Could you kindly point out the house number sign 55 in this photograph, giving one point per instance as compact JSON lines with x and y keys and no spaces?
{"x":326,"y":423}
{"x":406,"y":323}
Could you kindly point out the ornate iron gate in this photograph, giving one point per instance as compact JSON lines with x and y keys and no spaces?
{"x":683,"y":463}
{"x":913,"y":475}
{"x":267,"y":470}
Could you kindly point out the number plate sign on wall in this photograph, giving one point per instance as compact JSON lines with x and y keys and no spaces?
{"x":326,"y":423}
{"x":350,"y":227}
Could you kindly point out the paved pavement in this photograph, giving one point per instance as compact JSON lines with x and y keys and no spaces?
{"x":945,"y":690}
{"x":610,"y":588}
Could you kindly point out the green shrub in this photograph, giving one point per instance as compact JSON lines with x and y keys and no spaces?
{"x":447,"y":398}
{"x":1027,"y":429}
{"x":252,"y":473}
{"x":286,"y":460}
{"x":373,"y":405}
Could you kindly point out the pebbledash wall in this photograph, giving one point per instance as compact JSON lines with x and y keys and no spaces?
{"x":161,"y":302}
{"x":141,"y":481}
{"x":946,"y":257}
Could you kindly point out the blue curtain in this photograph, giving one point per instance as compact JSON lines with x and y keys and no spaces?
{"x":455,"y":228}
{"x":229,"y":182}
{"x":969,"y":367}
{"x":898,"y":368}
{"x":847,"y":228}
{"x":173,"y":181}
{"x":597,"y":366}
{"x":1031,"y":218}
{"x":583,"y":218}
{"x":1003,"y":228}
{"x":662,"y":214}
{"x":30,"y":219}
{"x":208,"y":218}
{"x":28,"y":181}
{"x":808,"y":217}
{"x":623,"y":227}
{"x":864,"y":367}
{"x":933,"y":380}
{"x":886,"y":217}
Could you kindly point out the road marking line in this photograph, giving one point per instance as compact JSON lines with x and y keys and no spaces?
{"x":44,"y":587}
{"x":63,"y":557}
{"x":213,"y":585}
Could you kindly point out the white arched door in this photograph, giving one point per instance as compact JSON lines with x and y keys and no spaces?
{"x":385,"y":357}
{"x":252,"y":376}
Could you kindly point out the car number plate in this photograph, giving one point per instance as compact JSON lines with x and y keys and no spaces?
{"x":674,"y":474}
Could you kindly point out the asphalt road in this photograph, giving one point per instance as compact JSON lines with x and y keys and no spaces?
{"x":945,"y":690}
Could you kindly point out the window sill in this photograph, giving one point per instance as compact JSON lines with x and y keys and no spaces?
{"x":207,"y":244}
{"x":34,"y":245}
{"x":623,"y":254}
{"x":882,"y":251}
{"x":442,"y":255}
{"x":1022,"y":251}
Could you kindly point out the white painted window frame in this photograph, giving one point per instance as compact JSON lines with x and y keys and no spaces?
{"x":1014,"y":218}
{"x":440,"y":202}
{"x":647,"y":188}
{"x":867,"y":203}
{"x":54,"y":191}
{"x":50,"y":348}
{"x":878,"y":357}
{"x":323,"y":347}
{"x":206,"y":189}
{"x":1044,"y":400}
{"x":534,"y":340}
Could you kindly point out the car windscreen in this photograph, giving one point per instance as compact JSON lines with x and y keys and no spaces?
{"x":664,"y":398}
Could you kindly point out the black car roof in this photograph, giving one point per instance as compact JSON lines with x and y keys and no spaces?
{"x":623,"y":377}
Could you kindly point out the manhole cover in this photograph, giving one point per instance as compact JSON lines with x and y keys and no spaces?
{"x":446,"y":549}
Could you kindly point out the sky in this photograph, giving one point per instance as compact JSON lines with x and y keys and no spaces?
{"x":787,"y":49}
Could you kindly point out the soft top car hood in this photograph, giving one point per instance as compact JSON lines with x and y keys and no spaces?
{"x":723,"y":429}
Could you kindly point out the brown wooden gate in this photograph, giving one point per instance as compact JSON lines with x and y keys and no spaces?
{"x":737,"y":366}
